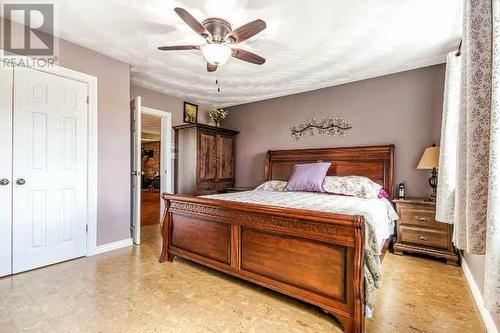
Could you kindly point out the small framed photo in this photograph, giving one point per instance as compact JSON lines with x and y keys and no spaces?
{"x":190,"y":113}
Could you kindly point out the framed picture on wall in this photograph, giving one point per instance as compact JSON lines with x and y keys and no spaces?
{"x":190,"y":113}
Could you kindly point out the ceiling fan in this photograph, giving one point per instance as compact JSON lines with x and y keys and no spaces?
{"x":220,"y":38}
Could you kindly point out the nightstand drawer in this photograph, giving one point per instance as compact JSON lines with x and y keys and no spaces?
{"x":424,"y":236}
{"x":421,"y":217}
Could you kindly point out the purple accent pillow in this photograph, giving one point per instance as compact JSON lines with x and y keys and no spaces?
{"x":383,"y":193}
{"x":308,"y":177}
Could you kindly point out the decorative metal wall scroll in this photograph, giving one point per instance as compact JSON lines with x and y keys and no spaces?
{"x":332,"y":127}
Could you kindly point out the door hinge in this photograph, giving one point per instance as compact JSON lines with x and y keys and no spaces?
{"x":88,"y":99}
{"x":87,"y":228}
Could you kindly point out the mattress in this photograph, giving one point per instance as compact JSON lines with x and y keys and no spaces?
{"x":378,"y":213}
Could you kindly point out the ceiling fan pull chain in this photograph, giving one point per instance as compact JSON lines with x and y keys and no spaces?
{"x":217,"y":79}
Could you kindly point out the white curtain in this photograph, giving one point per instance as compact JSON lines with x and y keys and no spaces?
{"x":445,"y":202}
{"x":476,"y":210}
{"x":492,"y":264}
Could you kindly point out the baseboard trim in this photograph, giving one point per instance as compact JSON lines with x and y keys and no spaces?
{"x":113,"y":246}
{"x":478,"y":298}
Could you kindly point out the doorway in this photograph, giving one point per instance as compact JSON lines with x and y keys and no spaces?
{"x":152,"y":169}
{"x":150,"y":164}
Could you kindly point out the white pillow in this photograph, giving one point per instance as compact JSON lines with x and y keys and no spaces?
{"x":272,"y":185}
{"x":356,"y":186}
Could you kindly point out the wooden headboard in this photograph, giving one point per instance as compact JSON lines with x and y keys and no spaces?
{"x":374,"y":162}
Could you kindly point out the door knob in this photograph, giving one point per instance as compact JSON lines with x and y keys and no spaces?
{"x":4,"y":181}
{"x":20,"y":181}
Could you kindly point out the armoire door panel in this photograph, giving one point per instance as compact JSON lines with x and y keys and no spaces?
{"x":225,"y":165}
{"x":207,"y":164}
{"x":49,"y":214}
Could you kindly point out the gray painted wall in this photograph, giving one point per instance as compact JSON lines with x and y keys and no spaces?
{"x":113,"y":162}
{"x":402,"y":109}
{"x":159,"y":101}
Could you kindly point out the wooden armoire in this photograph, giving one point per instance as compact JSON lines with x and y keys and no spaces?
{"x":205,"y":159}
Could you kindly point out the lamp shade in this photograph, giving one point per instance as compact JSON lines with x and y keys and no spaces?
{"x":429,"y":159}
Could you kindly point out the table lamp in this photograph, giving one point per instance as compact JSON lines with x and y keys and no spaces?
{"x":430,"y":161}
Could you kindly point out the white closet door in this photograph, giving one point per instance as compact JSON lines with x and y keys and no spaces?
{"x":49,"y":169}
{"x":5,"y":172}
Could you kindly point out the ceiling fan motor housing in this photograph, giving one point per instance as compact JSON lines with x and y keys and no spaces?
{"x":218,"y":28}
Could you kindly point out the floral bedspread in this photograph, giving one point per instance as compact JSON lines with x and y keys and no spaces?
{"x":378,"y":213}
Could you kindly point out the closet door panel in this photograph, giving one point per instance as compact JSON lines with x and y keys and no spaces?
{"x":6,"y":77}
{"x":50,"y":169}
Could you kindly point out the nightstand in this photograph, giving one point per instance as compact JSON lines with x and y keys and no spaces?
{"x":238,"y":189}
{"x":419,"y":232}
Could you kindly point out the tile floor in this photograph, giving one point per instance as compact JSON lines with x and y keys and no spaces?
{"x":127,"y":290}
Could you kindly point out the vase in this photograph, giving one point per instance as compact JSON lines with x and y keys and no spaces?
{"x":217,"y":124}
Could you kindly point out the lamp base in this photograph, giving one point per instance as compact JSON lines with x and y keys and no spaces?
{"x":431,"y":198}
{"x":433,"y":182}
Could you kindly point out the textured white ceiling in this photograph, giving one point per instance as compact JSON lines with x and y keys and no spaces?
{"x":307,"y":44}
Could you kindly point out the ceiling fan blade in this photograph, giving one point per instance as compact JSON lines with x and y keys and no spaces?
{"x":179,"y":47}
{"x":248,"y":56}
{"x":246,"y":31}
{"x":192,"y":22}
{"x":211,"y":67}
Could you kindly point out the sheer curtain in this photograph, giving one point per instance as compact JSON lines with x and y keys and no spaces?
{"x":492,"y":273}
{"x":445,"y":202}
{"x":471,"y":181}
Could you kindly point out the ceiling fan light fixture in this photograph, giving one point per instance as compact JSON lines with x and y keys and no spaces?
{"x":216,"y":53}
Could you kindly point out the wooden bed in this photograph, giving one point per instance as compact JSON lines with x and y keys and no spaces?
{"x":313,"y":256}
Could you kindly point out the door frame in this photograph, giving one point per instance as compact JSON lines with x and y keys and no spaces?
{"x":92,"y":150}
{"x":166,"y":160}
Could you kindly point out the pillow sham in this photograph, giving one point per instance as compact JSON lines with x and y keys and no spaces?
{"x":308,"y":177}
{"x":356,"y":186}
{"x":272,"y":185}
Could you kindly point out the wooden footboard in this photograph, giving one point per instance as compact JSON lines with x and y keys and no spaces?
{"x":313,"y":256}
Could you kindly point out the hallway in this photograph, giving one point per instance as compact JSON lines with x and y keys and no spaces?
{"x":150,"y":209}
